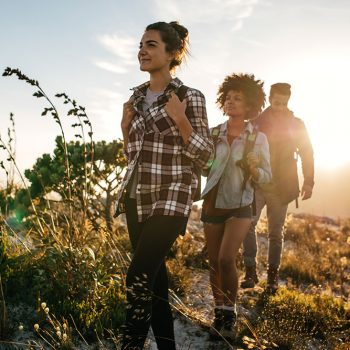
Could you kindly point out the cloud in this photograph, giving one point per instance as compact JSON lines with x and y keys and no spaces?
{"x":110,"y":67}
{"x":210,"y":12}
{"x":123,"y":48}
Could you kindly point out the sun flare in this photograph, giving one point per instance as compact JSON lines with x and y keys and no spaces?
{"x":331,"y":143}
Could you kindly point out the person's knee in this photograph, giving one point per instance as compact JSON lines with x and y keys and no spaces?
{"x":250,"y":234}
{"x":276,"y":230}
{"x":226,"y":263}
{"x":137,"y":282}
{"x":276,"y":236}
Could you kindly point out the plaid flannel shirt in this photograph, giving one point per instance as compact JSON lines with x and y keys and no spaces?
{"x":166,"y":178}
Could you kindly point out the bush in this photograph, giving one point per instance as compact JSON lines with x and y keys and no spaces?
{"x":86,"y":282}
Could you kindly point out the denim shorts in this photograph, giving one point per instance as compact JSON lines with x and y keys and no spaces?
{"x":239,"y":213}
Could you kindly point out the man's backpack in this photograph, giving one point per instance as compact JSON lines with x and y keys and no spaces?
{"x":181,"y":93}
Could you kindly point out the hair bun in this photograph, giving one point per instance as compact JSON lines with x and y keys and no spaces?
{"x":181,"y":30}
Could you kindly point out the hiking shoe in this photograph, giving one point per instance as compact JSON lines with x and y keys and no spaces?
{"x":250,"y":278}
{"x":217,"y":323}
{"x":272,"y":280}
{"x":228,"y":329}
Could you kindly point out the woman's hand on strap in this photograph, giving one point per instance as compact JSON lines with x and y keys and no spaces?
{"x":176,"y":111}
{"x":128,"y":114}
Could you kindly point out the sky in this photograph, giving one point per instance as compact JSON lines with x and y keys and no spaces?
{"x":88,"y":49}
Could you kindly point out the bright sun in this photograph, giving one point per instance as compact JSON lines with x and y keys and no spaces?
{"x":320,"y":95}
{"x":330,"y":138}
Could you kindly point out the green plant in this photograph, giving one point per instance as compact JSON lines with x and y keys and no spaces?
{"x":71,"y":256}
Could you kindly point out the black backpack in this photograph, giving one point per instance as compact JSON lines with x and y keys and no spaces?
{"x":181,"y":93}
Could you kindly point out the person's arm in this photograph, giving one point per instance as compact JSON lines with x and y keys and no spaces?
{"x":306,"y":153}
{"x":128,"y":114}
{"x":193,"y":126}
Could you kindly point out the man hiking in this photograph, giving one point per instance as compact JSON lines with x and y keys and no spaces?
{"x":288,"y":139}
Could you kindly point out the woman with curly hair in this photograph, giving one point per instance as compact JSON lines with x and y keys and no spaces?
{"x":229,"y":192}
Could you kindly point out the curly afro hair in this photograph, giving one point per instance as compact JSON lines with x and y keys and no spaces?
{"x":251,"y":88}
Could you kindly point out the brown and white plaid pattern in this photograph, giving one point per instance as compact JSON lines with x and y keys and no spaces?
{"x":166,"y":180}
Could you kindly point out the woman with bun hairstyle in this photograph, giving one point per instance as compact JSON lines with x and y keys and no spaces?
{"x":241,"y":159}
{"x":166,"y":141}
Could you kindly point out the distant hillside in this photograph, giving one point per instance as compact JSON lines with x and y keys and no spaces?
{"x":331,"y":194}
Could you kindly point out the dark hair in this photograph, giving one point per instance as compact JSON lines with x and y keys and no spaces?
{"x":175,"y":37}
{"x":251,"y":89}
{"x":280,"y":88}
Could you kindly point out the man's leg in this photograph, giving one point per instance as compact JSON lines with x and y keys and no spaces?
{"x":276,"y":215}
{"x":250,"y":247}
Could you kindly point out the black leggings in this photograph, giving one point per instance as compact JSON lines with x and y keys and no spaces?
{"x":147,"y":279}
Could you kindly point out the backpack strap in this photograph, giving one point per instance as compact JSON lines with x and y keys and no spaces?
{"x":214,"y":133}
{"x":181,"y":92}
{"x":250,"y":142}
{"x":248,"y":147}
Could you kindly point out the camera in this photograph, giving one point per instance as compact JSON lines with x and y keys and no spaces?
{"x":243,"y":164}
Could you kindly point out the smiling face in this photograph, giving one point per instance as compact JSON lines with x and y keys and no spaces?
{"x":152,"y":55}
{"x":235,"y":104}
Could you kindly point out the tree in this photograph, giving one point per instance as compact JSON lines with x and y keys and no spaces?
{"x":94,"y":193}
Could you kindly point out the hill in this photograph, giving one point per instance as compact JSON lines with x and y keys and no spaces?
{"x":331,"y":195}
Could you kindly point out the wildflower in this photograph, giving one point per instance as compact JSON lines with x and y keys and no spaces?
{"x":43,"y":305}
{"x":59,"y":334}
{"x":20,"y":327}
{"x":64,"y":326}
{"x":36,"y":327}
{"x":46,"y":310}
{"x":64,"y":337}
